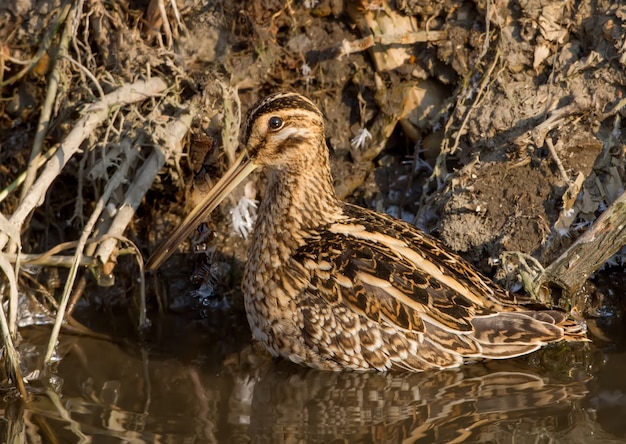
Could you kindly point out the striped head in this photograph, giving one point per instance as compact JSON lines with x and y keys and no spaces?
{"x":283,"y":129}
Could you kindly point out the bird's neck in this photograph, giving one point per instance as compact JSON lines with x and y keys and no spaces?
{"x":299,"y":199}
{"x":305,"y":199}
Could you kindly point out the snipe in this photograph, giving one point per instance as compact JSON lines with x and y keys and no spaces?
{"x":335,"y":286}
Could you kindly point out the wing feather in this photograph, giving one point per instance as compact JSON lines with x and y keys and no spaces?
{"x":396,"y":298}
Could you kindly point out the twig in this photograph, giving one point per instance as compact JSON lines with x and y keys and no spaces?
{"x":39,"y":160}
{"x":78,"y":256}
{"x":51,"y":93}
{"x":439,"y":172}
{"x":171,"y":135}
{"x":556,"y":159}
{"x":14,"y":235}
{"x":88,"y":73}
{"x":487,"y":29}
{"x":69,"y":283}
{"x":481,"y":89}
{"x":590,"y":251}
{"x":52,"y":260}
{"x":117,"y":181}
{"x":77,"y":294}
{"x":348,"y":47}
{"x":7,"y":337}
{"x":174,"y":6}
{"x":556,"y":116}
{"x":166,"y":24}
{"x":94,"y":116}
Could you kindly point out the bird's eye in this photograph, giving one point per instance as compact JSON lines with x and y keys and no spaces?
{"x":275,"y":123}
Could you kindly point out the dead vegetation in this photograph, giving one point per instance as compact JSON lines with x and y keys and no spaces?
{"x":497,"y":126}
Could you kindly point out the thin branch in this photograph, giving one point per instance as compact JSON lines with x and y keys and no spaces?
{"x":51,"y":93}
{"x":94,"y":116}
{"x":111,"y":186}
{"x":557,"y":160}
{"x":171,"y":135}
{"x":7,"y":337}
{"x":88,"y":73}
{"x":52,"y":260}
{"x":37,"y":162}
{"x":590,"y":251}
{"x":14,"y":235}
{"x":348,"y":47}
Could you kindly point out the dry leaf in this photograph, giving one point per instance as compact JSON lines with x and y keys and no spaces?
{"x":541,"y":53}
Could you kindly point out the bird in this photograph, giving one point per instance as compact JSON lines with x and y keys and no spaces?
{"x":335,"y":286}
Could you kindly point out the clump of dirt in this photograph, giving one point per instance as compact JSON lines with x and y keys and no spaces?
{"x":560,"y":82}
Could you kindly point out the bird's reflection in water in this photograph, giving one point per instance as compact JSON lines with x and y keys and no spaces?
{"x":122,"y":394}
{"x":477,"y":403}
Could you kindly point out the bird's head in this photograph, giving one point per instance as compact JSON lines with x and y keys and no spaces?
{"x":283,"y":130}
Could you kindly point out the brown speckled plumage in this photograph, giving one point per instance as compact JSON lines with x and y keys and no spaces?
{"x":335,"y":286}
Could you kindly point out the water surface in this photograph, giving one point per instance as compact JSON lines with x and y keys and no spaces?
{"x":201,"y":381}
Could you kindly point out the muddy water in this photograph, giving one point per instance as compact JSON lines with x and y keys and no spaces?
{"x":201,"y":381}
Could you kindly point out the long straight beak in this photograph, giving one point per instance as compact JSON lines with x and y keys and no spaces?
{"x":233,"y":177}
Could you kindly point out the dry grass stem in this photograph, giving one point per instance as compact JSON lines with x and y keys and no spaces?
{"x":440,"y":170}
{"x":167,"y":29}
{"x":112,"y":185}
{"x":116,"y":183}
{"x":51,"y":257}
{"x":556,"y":159}
{"x":69,"y":283}
{"x":8,"y":332}
{"x":48,"y":104}
{"x":171,"y":136}
{"x":52,"y":260}
{"x":95,"y":114}
{"x":35,"y":164}
{"x":486,"y":80}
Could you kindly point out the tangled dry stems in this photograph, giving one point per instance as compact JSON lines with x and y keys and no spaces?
{"x":119,"y":122}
